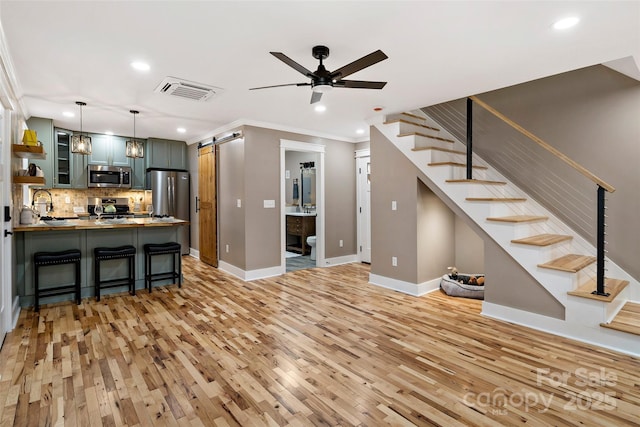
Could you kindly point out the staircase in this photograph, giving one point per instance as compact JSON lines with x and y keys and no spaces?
{"x":558,"y":258}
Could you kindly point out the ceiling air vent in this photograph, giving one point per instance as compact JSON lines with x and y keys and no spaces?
{"x":186,"y":89}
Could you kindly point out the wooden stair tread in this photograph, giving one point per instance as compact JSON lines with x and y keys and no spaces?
{"x":400,"y":135}
{"x":518,"y":218}
{"x":627,"y":319}
{"x":542,"y":239}
{"x":475,"y":181}
{"x":571,"y":263}
{"x":456,"y":164}
{"x":409,"y":122}
{"x":413,"y":116}
{"x":495,"y":199}
{"x":446,"y":150}
{"x":612,"y":286}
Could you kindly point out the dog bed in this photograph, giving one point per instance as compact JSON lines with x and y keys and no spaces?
{"x":453,"y":287}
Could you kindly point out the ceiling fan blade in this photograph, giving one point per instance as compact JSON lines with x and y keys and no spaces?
{"x":287,"y":84}
{"x":293,"y":64}
{"x":359,"y":84}
{"x":359,"y":64}
{"x":315,"y":97}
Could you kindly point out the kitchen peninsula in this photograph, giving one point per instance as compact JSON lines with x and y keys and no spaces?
{"x":86,"y":235}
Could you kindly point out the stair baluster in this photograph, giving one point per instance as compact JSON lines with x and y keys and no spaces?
{"x":600,"y":244}
{"x":469,"y":138}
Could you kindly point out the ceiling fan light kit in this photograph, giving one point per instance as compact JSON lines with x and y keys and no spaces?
{"x":323,"y":80}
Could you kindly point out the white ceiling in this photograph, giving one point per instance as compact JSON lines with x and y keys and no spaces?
{"x":67,"y":51}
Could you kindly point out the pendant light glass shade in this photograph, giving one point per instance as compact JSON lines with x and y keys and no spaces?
{"x":135,"y":148}
{"x":80,"y":143}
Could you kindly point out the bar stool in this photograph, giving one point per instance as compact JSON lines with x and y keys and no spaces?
{"x":45,"y":259}
{"x":106,"y":254}
{"x":152,"y":249}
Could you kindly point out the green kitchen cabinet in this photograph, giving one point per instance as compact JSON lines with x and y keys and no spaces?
{"x":70,"y":170}
{"x":166,"y":154}
{"x":108,"y":150}
{"x":138,"y":173}
{"x":44,"y":129}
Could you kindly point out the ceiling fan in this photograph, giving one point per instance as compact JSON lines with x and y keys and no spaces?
{"x":323,"y":80}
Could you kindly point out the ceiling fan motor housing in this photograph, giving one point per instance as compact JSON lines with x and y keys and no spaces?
{"x":320,"y":52}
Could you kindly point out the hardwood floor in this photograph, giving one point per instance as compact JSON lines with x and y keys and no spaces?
{"x":312,"y":347}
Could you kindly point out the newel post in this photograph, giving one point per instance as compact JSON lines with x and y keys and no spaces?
{"x":601,"y":234}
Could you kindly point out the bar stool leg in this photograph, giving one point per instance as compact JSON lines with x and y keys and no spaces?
{"x":150,"y":270}
{"x":132,"y":276}
{"x":96,"y":267}
{"x":37,"y":286}
{"x":77,"y":263}
{"x":179,"y":269}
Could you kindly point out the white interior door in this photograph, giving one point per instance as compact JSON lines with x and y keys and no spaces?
{"x":363,"y":169}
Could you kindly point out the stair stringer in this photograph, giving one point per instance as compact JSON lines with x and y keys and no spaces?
{"x":582,"y":316}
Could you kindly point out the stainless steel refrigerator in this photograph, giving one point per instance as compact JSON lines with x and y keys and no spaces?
{"x":170,"y":195}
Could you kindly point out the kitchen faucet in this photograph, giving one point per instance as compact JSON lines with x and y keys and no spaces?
{"x":33,"y":198}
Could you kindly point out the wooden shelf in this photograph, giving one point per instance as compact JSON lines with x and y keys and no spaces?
{"x":29,"y":151}
{"x":28,"y":180}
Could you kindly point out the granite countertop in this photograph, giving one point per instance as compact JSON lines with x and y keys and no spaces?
{"x":76,"y":224}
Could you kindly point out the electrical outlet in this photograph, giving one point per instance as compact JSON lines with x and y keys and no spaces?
{"x":341,"y":243}
{"x":394,"y":261}
{"x":394,"y":205}
{"x":67,"y":199}
{"x":226,"y":248}
{"x":239,"y":203}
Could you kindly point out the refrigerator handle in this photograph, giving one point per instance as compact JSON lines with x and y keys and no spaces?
{"x":171,"y":194}
{"x":197,"y":204}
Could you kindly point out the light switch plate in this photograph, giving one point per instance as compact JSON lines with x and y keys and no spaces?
{"x":269,"y":204}
{"x":394,"y":205}
{"x":239,"y":203}
{"x":287,"y":174}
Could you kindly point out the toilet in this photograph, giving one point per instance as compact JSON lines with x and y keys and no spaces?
{"x":311,"y":241}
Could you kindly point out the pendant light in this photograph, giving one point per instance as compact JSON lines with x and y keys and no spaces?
{"x":135,"y":148}
{"x":81,"y":144}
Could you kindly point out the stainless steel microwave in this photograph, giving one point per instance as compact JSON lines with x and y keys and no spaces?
{"x":109,"y":176}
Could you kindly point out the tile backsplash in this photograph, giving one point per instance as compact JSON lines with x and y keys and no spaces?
{"x":79,"y":197}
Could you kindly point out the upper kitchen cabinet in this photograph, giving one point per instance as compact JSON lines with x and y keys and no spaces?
{"x":108,"y":150}
{"x":70,"y":170}
{"x":166,"y":154}
{"x":44,"y":129}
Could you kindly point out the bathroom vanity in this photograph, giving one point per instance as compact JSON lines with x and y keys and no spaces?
{"x":299,"y":227}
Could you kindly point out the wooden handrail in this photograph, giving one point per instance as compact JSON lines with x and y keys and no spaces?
{"x":544,"y":145}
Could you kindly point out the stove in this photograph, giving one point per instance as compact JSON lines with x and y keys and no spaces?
{"x":121,"y":205}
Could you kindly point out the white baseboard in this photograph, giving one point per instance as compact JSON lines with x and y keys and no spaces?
{"x":599,"y":336}
{"x":415,"y":289}
{"x":251,"y":274}
{"x":194,"y":253}
{"x":347,"y":259}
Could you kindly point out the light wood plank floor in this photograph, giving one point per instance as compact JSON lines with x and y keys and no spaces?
{"x":313,"y":347}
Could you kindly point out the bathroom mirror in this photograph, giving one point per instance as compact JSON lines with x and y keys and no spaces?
{"x":308,"y":178}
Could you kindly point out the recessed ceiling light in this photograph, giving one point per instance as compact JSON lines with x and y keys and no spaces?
{"x":565,"y":23}
{"x":320,"y":108}
{"x":359,"y":131}
{"x":140,"y":66}
{"x":109,"y":132}
{"x":181,"y":130}
{"x":68,"y":114}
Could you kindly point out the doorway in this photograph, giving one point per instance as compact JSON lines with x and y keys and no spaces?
{"x":302,"y":217}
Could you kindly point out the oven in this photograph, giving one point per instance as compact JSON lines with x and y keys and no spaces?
{"x":109,"y":176}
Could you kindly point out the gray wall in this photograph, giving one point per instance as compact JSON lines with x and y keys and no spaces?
{"x":592,"y":116}
{"x":231,"y":218}
{"x":249,"y":170}
{"x":469,"y":248}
